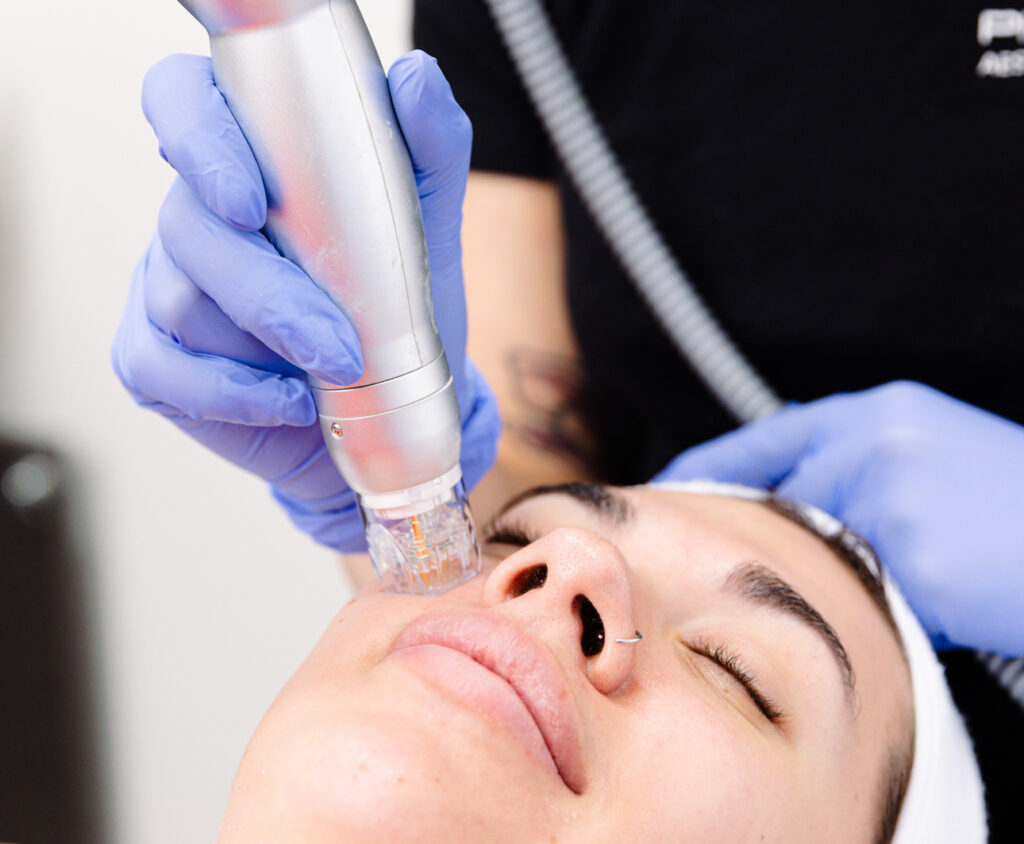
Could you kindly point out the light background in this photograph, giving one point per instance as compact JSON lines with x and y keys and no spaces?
{"x":204,"y":598}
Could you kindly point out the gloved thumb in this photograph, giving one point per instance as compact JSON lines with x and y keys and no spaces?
{"x":760,"y":454}
{"x":437,"y":132}
{"x":439,"y":137}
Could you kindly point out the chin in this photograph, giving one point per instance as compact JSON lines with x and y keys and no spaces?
{"x":390,"y":766}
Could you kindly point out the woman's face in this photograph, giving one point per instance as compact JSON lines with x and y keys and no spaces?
{"x":761,"y":704}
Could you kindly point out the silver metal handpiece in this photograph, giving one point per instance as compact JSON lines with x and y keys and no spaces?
{"x":304,"y":82}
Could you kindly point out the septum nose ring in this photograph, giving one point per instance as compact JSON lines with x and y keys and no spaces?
{"x":632,"y":641}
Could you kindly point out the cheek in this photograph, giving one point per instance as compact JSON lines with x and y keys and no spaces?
{"x":316,"y":775}
{"x":374,"y":758}
{"x":681,"y":769}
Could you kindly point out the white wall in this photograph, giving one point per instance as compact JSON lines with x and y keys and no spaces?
{"x":205,"y":597}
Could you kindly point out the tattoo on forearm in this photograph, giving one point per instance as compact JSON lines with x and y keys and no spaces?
{"x":552,"y":397}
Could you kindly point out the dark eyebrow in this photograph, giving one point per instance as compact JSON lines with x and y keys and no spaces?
{"x":763,"y":587}
{"x":609,"y":504}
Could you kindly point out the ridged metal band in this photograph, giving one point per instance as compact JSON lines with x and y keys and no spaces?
{"x":384,"y":396}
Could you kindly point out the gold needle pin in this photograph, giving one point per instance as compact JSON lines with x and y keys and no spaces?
{"x":421,"y":544}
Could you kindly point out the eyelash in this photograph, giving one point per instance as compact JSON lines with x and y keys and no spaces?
{"x":507,"y":532}
{"x":517,"y":534}
{"x":730,"y":662}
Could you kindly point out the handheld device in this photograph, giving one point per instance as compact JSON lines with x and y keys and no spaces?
{"x":304,"y":82}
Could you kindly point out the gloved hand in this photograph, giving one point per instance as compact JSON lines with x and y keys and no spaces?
{"x":219,"y":328}
{"x":934,"y":484}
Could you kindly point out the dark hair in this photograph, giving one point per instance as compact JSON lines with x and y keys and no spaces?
{"x":856,"y":554}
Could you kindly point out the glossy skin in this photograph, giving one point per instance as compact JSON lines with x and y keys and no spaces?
{"x":379,"y":737}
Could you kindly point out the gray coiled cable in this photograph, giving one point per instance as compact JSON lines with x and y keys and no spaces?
{"x":1009,"y":673}
{"x":627,"y":226}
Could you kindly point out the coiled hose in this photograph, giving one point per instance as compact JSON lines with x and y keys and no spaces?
{"x":634,"y":238}
{"x":625,"y":223}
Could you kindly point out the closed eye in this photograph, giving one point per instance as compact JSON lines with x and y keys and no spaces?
{"x":519,"y":535}
{"x":732,"y":664}
{"x":507,"y":532}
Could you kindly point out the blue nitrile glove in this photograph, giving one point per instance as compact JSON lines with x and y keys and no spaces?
{"x":934,"y":484}
{"x":219,"y":328}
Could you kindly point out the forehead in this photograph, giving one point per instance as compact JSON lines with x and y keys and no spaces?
{"x":716,"y":531}
{"x":706,"y":534}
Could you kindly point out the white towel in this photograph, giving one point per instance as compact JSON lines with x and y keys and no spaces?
{"x":945,"y":800}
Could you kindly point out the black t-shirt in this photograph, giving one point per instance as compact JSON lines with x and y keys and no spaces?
{"x":843,"y":184}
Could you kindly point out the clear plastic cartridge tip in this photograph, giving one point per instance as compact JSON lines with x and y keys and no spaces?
{"x":422,"y":541}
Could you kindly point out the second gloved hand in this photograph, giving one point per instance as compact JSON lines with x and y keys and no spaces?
{"x":934,"y":484}
{"x":219,"y":328}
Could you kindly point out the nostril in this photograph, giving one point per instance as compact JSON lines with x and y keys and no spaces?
{"x":592,"y":639}
{"x":527,"y":581}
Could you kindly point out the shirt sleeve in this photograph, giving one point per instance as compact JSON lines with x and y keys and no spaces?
{"x":507,"y":135}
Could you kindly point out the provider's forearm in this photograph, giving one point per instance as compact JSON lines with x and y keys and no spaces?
{"x":520,"y":334}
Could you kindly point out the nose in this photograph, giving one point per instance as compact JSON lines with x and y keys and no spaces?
{"x":572,"y":589}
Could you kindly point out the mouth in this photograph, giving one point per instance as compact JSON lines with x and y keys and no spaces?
{"x":495,"y":667}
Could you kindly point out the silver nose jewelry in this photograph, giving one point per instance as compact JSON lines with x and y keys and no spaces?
{"x":632,"y":641}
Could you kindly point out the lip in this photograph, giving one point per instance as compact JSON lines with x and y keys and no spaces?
{"x":499,"y":646}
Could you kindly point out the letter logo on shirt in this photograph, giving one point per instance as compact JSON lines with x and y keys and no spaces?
{"x":1000,"y":25}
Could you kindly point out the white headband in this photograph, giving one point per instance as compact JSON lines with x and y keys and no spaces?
{"x":945,"y":801}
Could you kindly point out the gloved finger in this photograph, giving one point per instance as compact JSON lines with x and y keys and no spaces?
{"x":261,"y":292}
{"x":310,"y":475}
{"x":273,"y":454}
{"x":200,"y":138}
{"x":438,"y":134}
{"x":176,"y":306}
{"x":440,"y":138}
{"x":822,"y":478}
{"x":481,"y":429}
{"x":317,"y":498}
{"x":159,"y":372}
{"x":760,"y":454}
{"x":217,"y":389}
{"x":343,"y":531}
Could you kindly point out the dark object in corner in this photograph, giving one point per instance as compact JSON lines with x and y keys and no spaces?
{"x":996,"y":724}
{"x":49,"y":776}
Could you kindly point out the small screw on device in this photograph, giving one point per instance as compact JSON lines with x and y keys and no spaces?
{"x":336,"y":430}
